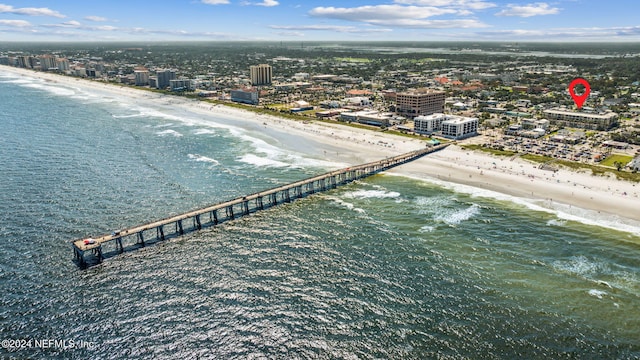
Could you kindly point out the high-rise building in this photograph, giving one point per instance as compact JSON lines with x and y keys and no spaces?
{"x":261,"y":74}
{"x":165,"y":77}
{"x":48,"y":62}
{"x":419,"y":102}
{"x":26,"y":62}
{"x":62,"y":64}
{"x":142,"y":77}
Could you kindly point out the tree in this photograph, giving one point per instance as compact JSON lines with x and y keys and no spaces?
{"x":618,"y":165}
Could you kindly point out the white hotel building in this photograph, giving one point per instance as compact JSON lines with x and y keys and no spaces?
{"x":450,"y":126}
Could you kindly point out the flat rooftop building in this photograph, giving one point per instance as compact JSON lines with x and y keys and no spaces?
{"x":583,"y":120}
{"x":451,"y":126}
{"x":419,"y":102}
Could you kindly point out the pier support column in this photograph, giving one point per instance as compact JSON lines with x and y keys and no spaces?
{"x":259,"y":203}
{"x":179,"y":228}
{"x":273,"y":199}
{"x":97,"y":252}
{"x":287,"y":196}
{"x":119,"y":245}
{"x":197,"y":224}
{"x":141,"y":238}
{"x":245,"y":207}
{"x":230,"y":212}
{"x":78,"y":255}
{"x":214,"y":213}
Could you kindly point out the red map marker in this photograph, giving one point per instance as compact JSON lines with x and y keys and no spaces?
{"x":579,"y":99}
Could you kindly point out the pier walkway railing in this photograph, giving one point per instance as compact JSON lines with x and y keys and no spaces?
{"x":91,"y":251}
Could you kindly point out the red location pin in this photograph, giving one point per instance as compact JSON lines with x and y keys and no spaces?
{"x":579,"y":99}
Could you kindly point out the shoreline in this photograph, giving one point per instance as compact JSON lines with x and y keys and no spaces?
{"x":561,"y":191}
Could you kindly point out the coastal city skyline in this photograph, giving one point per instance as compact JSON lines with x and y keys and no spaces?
{"x":272,"y":20}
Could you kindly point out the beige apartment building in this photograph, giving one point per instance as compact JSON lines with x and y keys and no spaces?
{"x":419,"y":102}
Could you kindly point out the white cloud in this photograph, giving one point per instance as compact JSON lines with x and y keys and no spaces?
{"x":106,"y":28}
{"x":29,"y":11}
{"x":95,"y":18}
{"x":215,"y":2}
{"x":594,"y":33}
{"x":268,"y":3}
{"x":379,"y":12}
{"x":528,"y":10}
{"x":464,"y":4}
{"x":336,"y":28}
{"x":66,"y":24}
{"x":16,"y":23}
{"x":432,"y":24}
{"x":400,"y":16}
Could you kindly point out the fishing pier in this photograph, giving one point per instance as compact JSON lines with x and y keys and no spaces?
{"x":91,"y":251}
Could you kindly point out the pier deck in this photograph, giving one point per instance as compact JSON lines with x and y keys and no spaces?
{"x":238,"y":207}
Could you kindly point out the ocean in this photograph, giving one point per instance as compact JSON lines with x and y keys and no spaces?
{"x":385,"y":268}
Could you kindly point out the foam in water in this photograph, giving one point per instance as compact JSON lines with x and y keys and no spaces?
{"x":562,"y":211}
{"x":169,"y":133}
{"x":255,"y":160}
{"x":205,"y":132}
{"x":201,"y":158}
{"x":345,"y":204}
{"x":458,"y":216}
{"x":597,"y":293}
{"x":556,"y":222}
{"x":368,"y":194}
{"x":427,"y":229}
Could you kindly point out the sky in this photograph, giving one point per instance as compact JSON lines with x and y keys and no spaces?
{"x":319,"y":20}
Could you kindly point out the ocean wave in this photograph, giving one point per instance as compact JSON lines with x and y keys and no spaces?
{"x":205,"y":132}
{"x":17,"y":81}
{"x":56,"y":90}
{"x":579,"y":265}
{"x":255,"y":160}
{"x":169,"y":133}
{"x":368,"y":194}
{"x":458,"y":216}
{"x":561,"y":211}
{"x":600,"y":273}
{"x":556,"y":222}
{"x":127,"y":116}
{"x":345,"y":204}
{"x":597,"y":293}
{"x":427,"y":229}
{"x":200,"y":158}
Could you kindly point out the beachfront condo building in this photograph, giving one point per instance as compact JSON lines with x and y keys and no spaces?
{"x":245,"y":96}
{"x":581,"y":119}
{"x":419,"y":102}
{"x":459,"y":127}
{"x":261,"y":74}
{"x":142,"y":77}
{"x":48,"y":62}
{"x":164,"y":77}
{"x":451,"y":126}
{"x":428,"y":124}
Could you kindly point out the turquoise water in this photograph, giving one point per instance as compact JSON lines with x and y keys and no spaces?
{"x":390,"y":267}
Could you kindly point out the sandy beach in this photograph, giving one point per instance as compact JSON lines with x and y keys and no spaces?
{"x":573,"y":195}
